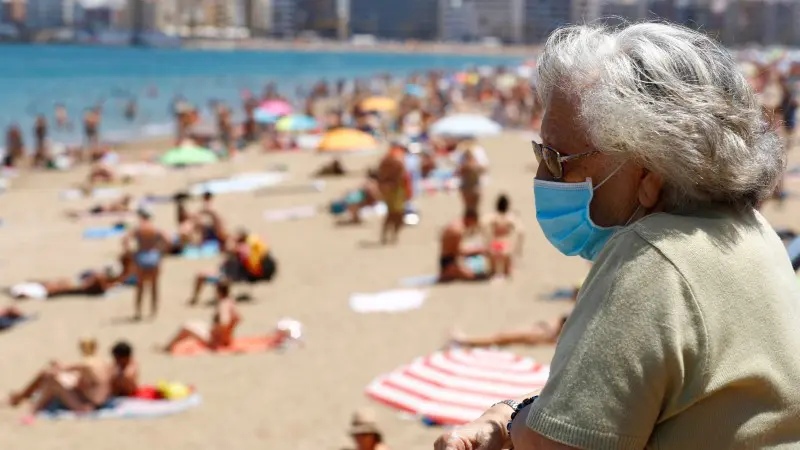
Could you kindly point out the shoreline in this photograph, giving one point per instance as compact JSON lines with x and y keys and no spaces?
{"x":426,"y":48}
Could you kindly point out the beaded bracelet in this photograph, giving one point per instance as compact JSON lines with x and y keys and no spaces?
{"x":525,"y":403}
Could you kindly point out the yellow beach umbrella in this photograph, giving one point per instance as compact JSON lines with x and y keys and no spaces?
{"x":346,"y":140}
{"x":380,"y":104}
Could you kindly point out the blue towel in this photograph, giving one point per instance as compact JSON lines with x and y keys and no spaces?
{"x":8,"y":322}
{"x":206,"y":250}
{"x":104,"y":232}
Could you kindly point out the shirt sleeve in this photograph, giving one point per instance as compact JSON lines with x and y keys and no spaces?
{"x":634,"y":342}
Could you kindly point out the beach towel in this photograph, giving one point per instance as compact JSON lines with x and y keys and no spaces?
{"x":7,"y":323}
{"x":246,"y":182}
{"x":240,"y":345}
{"x":35,"y":291}
{"x":208,"y":249}
{"x":129,"y":408}
{"x":96,"y":194}
{"x":388,"y":301}
{"x":296,"y":213}
{"x":419,"y":281}
{"x":104,"y":232}
{"x":561,"y":294}
{"x":303,"y":188}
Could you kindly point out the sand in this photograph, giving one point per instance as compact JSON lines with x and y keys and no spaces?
{"x":300,"y":399}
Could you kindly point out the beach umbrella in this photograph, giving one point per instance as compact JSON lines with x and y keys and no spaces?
{"x":346,"y":140}
{"x":277,"y":107}
{"x":189,"y":155}
{"x":465,"y":125}
{"x":379,"y":104}
{"x":265,"y":117}
{"x":296,"y":122}
{"x":456,"y":386}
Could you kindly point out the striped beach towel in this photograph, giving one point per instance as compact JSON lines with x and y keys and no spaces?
{"x":456,"y":386}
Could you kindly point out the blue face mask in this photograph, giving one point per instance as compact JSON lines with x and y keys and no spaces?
{"x":562,"y":210}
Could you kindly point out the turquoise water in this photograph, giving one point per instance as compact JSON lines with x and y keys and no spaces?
{"x":35,"y":78}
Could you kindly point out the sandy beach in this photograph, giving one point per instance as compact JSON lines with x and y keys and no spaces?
{"x":298,"y":399}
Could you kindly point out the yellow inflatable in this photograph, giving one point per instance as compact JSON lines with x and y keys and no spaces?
{"x":173,"y":391}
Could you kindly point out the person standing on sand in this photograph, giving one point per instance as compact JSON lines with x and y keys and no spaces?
{"x":505,"y":234}
{"x":91,"y":128}
{"x":470,"y":173}
{"x":395,"y":185}
{"x":40,"y":133}
{"x":151,"y":244}
{"x":15,"y":146}
{"x":685,"y":332}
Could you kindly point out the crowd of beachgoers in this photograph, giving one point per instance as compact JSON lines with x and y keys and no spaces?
{"x":426,"y":130}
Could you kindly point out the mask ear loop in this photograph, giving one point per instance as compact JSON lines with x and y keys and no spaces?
{"x":608,"y":177}
{"x":638,"y":207}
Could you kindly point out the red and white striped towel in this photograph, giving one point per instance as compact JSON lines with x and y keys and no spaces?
{"x":457,"y":386}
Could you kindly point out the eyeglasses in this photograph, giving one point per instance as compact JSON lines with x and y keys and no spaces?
{"x":553,"y":160}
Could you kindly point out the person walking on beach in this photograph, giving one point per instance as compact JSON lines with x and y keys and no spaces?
{"x":684,"y":336}
{"x":151,"y":244}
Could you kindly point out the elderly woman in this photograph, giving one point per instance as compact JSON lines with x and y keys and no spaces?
{"x":685,"y":333}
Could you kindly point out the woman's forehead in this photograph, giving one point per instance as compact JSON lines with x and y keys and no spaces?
{"x":561,"y":129}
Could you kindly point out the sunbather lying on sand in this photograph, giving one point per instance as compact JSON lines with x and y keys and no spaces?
{"x":118,"y":206}
{"x":248,"y":260}
{"x":84,"y":386}
{"x":90,"y":282}
{"x":541,"y":333}
{"x":456,"y":262}
{"x":219,"y":333}
{"x":103,"y":174}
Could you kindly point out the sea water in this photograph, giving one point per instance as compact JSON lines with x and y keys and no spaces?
{"x":35,"y":78}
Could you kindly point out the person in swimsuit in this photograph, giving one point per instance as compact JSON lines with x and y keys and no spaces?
{"x":91,"y":124}
{"x":505,"y":236}
{"x":453,"y":256}
{"x":394,"y":183}
{"x":470,"y":172}
{"x":15,"y":146}
{"x":368,"y":195}
{"x":151,"y":244}
{"x":124,"y":371}
{"x":209,"y":222}
{"x":93,"y":283}
{"x":542,"y":332}
{"x":119,"y":206}
{"x":40,"y":156}
{"x":219,"y":333}
{"x":81,"y":387}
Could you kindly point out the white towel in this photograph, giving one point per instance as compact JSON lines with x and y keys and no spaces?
{"x":388,"y":301}
{"x":35,"y":291}
{"x":298,"y":212}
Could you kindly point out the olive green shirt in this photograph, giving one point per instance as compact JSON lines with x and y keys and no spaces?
{"x":686,"y":335}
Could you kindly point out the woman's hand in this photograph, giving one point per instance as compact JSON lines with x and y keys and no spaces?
{"x":486,"y":433}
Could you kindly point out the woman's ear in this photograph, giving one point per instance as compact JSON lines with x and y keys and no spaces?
{"x":650,"y":189}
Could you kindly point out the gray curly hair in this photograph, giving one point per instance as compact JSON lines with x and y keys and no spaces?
{"x":672,"y":100}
